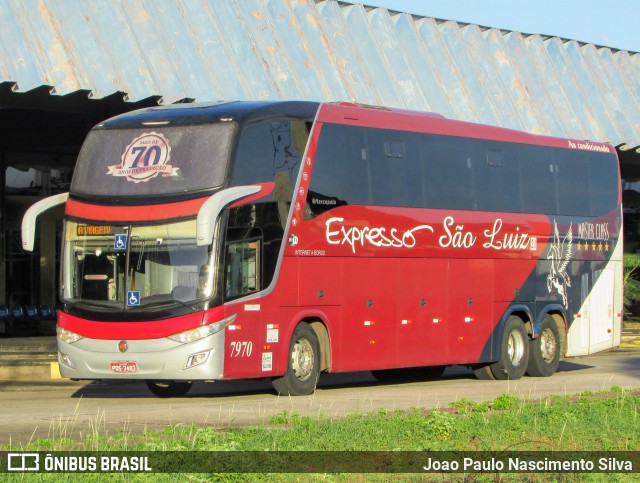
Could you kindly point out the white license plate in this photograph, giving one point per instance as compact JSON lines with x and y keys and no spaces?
{"x":122,"y":367}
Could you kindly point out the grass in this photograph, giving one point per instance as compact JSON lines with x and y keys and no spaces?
{"x":607,"y":421}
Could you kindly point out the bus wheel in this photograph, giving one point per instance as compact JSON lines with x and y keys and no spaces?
{"x":544,"y":355}
{"x":169,"y":388}
{"x":483,"y":372}
{"x":514,"y":353}
{"x":303,"y":368}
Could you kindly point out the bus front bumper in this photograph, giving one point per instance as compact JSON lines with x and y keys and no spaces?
{"x":157,"y":359}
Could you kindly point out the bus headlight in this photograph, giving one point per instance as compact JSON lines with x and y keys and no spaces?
{"x":67,"y":336}
{"x":201,"y":332}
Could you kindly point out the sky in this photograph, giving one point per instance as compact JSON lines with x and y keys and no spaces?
{"x":612,"y":23}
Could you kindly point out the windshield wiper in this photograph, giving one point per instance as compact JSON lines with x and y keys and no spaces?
{"x":120,"y":305}
{"x":107,"y":304}
{"x":167,"y":302}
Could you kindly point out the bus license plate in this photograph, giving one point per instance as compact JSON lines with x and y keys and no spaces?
{"x":122,"y":367}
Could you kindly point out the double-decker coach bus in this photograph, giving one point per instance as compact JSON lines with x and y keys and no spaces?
{"x":284,"y":239}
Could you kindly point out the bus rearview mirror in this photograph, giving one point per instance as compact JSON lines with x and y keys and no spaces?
{"x":30,"y":218}
{"x":211,"y":209}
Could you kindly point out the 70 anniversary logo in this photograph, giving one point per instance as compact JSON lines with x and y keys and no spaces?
{"x":145,"y":158}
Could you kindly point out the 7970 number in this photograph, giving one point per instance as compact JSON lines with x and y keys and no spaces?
{"x":241,"y":349}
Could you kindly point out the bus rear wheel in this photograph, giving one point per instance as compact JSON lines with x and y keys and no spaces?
{"x":545,"y":350}
{"x":483,"y":372}
{"x":169,"y":388}
{"x":514,"y":352}
{"x":303,"y":367}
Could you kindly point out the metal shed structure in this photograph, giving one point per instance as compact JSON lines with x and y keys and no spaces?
{"x":67,"y":64}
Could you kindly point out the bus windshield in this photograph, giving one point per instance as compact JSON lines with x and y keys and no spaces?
{"x":135,"y":266}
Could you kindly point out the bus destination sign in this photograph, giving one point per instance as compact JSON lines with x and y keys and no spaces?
{"x":94,"y":230}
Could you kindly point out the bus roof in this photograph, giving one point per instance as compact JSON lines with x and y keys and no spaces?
{"x":334,"y":112}
{"x":432,"y":123}
{"x":201,"y":113}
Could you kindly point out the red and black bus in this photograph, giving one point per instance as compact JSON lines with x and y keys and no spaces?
{"x":284,"y":239}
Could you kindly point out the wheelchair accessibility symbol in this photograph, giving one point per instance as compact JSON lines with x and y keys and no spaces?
{"x":133,"y":298}
{"x":120,"y":243}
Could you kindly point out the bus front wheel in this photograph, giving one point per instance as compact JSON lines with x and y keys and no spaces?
{"x":545,"y":350}
{"x":303,"y":366}
{"x":514,"y":352}
{"x":169,"y":388}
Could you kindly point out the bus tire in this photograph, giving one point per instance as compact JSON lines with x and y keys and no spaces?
{"x":544,"y":351}
{"x":169,"y":388}
{"x":514,"y":352}
{"x":303,"y":366}
{"x":483,"y":372}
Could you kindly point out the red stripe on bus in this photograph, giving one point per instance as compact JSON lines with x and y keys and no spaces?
{"x":139,"y":330}
{"x":121,"y":213}
{"x":431,"y":123}
{"x":166,"y":211}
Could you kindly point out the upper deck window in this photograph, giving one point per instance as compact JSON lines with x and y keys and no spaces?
{"x":355,"y":165}
{"x":153,"y":160}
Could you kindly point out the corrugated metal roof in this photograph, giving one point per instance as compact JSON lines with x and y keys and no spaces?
{"x":324,"y":50}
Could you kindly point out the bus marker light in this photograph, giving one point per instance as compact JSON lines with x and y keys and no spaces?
{"x":406,"y":322}
{"x":235,"y":327}
{"x":436,"y":321}
{"x":468,"y":319}
{"x":369,"y":322}
{"x":155,"y":123}
{"x":196,"y":359}
{"x":64,"y":358}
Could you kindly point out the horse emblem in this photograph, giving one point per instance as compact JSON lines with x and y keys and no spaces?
{"x":560,"y":255}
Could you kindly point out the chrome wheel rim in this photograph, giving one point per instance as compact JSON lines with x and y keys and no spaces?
{"x":302,"y":359}
{"x":548,"y":345}
{"x":515,"y":348}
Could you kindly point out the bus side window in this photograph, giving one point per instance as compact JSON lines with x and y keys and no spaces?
{"x":538,"y":179}
{"x":449,"y":172}
{"x":340,"y":173}
{"x":242,"y":268}
{"x":268,"y":148}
